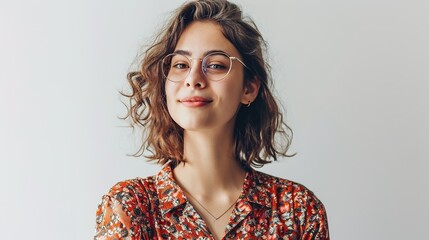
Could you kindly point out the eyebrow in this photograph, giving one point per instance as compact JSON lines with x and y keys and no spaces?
{"x":188,"y":53}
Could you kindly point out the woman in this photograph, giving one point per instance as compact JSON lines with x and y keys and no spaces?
{"x":202,"y":96}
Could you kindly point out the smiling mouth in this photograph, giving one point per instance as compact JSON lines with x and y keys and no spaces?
{"x":195,"y":101}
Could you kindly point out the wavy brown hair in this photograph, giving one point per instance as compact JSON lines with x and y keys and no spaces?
{"x":260,"y":133}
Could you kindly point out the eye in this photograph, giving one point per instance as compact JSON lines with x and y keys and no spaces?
{"x":216,"y":63}
{"x":180,"y":65}
{"x":215,"y":66}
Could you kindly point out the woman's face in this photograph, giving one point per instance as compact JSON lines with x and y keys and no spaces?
{"x":197,"y":103}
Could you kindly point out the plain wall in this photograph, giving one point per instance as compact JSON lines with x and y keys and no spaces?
{"x":353,"y":76}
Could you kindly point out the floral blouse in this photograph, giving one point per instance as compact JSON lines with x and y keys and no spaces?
{"x":157,"y":208}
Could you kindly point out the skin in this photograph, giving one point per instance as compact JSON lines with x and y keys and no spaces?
{"x":211,"y":174}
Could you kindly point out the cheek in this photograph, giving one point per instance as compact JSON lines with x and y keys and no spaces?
{"x":230,"y":98}
{"x":169,"y":92}
{"x":234,"y":89}
{"x":232,"y":95}
{"x":174,"y":110}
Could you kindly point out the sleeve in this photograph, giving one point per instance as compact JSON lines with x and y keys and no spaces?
{"x":112,"y":222}
{"x":311,"y":216}
{"x":118,"y":214}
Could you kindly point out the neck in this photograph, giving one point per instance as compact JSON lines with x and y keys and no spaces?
{"x":210,"y":167}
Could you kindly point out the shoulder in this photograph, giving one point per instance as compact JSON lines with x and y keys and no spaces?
{"x":293,"y":200}
{"x":124,"y":208}
{"x":281,"y":187}
{"x":133,"y":190}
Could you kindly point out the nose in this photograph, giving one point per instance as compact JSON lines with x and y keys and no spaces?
{"x":196,"y":78}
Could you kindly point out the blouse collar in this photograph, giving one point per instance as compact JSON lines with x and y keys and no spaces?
{"x":172,"y":196}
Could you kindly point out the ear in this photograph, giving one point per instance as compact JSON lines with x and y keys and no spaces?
{"x":251,"y":90}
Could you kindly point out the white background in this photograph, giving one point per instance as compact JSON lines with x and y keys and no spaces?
{"x":353,"y":76}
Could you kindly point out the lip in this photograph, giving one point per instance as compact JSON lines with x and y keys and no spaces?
{"x":195,"y":101}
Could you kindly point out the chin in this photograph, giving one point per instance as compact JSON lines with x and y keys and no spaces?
{"x":194,"y":127}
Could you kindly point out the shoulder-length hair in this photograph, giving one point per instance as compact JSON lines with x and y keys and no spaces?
{"x":260,"y":133}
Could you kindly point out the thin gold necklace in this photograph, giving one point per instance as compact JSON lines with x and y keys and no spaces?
{"x":213,"y":216}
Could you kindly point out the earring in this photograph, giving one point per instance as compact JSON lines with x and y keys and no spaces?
{"x":248,"y":103}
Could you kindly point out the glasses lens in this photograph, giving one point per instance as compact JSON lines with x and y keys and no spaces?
{"x":216,"y":66}
{"x":175,"y":67}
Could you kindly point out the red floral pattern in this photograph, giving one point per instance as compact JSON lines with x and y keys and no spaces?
{"x":156,"y":208}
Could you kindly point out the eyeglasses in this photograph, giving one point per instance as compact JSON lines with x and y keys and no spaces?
{"x":215,"y":66}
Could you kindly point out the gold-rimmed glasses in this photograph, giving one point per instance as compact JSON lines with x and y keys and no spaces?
{"x":215,"y":66}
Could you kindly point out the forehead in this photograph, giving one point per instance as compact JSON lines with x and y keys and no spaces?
{"x":200,"y":37}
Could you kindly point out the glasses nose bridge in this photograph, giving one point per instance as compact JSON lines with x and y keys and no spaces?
{"x":192,"y":59}
{"x":192,"y":65}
